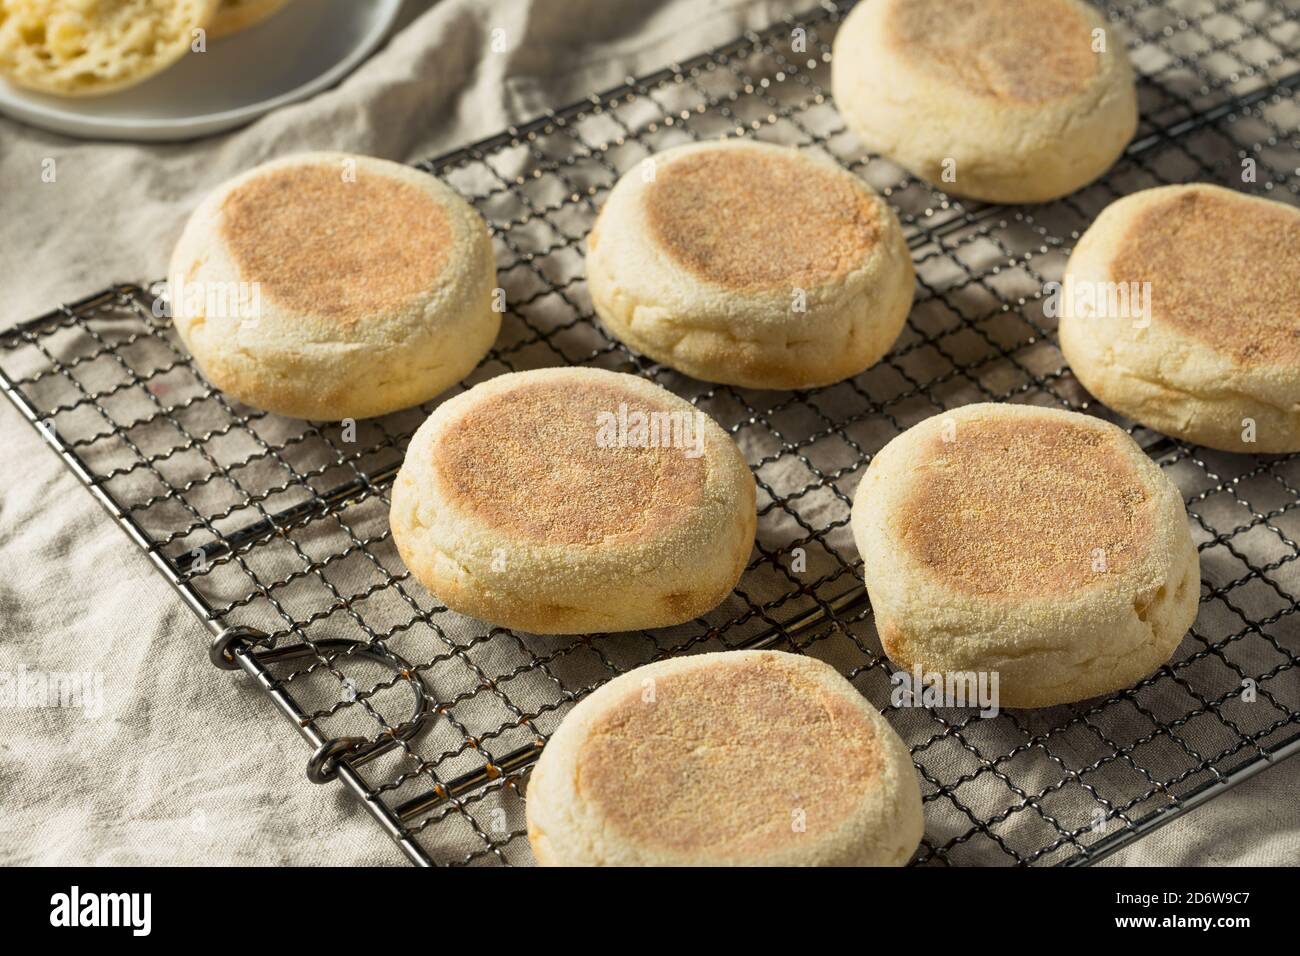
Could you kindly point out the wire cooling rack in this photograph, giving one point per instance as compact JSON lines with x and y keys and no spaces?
{"x":275,"y":531}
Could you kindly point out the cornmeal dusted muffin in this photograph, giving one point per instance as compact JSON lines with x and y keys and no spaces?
{"x":1210,"y":353}
{"x":330,"y":286}
{"x":750,"y":264}
{"x":741,"y":758}
{"x":1036,"y":543}
{"x":1002,"y":100}
{"x":574,"y":500}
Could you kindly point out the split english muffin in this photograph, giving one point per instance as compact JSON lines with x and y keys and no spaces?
{"x":1038,"y":544}
{"x":1181,"y":310}
{"x":330,"y":286}
{"x":754,"y":758}
{"x":750,"y":264}
{"x":86,"y":48}
{"x":574,"y":500}
{"x":1007,"y":101}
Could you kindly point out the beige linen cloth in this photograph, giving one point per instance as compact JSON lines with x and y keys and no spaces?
{"x":188,"y":765}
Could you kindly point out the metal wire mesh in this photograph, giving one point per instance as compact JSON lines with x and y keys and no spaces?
{"x":275,"y":531}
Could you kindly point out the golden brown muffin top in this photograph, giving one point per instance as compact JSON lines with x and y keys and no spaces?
{"x":1022,"y":50}
{"x":1224,"y":269}
{"x":1019,"y":507}
{"x":532,"y":461}
{"x":761,"y":219}
{"x":728,"y":759}
{"x":343,"y":249}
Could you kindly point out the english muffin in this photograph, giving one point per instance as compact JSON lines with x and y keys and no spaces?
{"x":235,"y":15}
{"x":574,"y":500}
{"x":739,"y":758}
{"x":750,"y":264}
{"x":89,"y":47}
{"x":330,"y":286}
{"x":1008,"y":101}
{"x":1181,"y":310}
{"x":1037,"y":544}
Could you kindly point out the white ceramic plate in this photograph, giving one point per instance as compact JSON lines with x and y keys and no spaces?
{"x":306,"y":47}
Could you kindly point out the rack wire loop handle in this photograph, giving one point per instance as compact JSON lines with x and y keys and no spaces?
{"x":221,"y":650}
{"x":323,"y":764}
